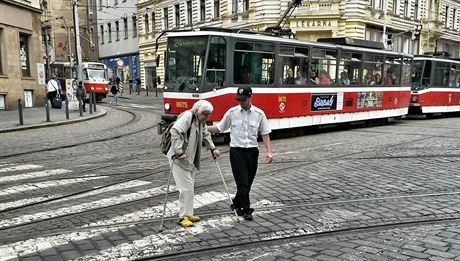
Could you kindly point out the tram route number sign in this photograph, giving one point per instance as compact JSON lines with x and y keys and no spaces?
{"x":323,"y":102}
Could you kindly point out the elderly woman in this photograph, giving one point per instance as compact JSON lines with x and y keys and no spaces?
{"x":187,"y":135}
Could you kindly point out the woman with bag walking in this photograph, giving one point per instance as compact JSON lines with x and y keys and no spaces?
{"x":187,"y":135}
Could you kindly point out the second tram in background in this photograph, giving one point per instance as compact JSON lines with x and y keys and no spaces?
{"x":296,"y":83}
{"x":95,"y":77}
{"x":435,"y":85}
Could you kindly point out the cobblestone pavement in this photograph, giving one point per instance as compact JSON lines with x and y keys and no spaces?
{"x":330,"y":194}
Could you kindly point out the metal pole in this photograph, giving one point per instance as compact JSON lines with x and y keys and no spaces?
{"x":160,"y":228}
{"x":67,"y":108}
{"x":90,"y":103}
{"x":47,"y":73}
{"x":21,"y":119}
{"x":76,"y":25}
{"x":94,"y":101}
{"x":47,"y":109}
{"x":80,"y":108}
{"x":147,"y":89}
{"x":384,"y":35}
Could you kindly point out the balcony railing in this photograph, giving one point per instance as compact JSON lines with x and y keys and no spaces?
{"x":319,"y":7}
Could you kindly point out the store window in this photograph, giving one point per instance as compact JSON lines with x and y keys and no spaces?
{"x":254,"y":63}
{"x":323,"y":68}
{"x":24,"y":54}
{"x":294,"y":62}
{"x":392,"y":71}
{"x":372,"y":69}
{"x":350,"y":72}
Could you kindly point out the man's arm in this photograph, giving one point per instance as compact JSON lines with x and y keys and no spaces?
{"x":223,"y":125}
{"x":268,"y":147}
{"x":213,"y":129}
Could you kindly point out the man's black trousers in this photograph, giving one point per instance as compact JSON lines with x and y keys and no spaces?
{"x":244,"y":168}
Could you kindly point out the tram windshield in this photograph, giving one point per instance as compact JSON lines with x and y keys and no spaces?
{"x":185,"y":63}
{"x":417,"y":74}
{"x":95,"y":75}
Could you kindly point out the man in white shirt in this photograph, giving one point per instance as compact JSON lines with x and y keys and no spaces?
{"x":53,"y":88}
{"x":244,"y":121}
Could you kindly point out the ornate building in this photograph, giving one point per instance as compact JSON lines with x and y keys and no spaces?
{"x":412,"y":26}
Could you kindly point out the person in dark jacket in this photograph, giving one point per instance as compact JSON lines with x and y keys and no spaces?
{"x":81,"y":95}
{"x":114,"y":91}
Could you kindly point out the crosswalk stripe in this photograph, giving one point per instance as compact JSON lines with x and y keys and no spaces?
{"x":42,"y":243}
{"x":20,"y":167}
{"x":28,"y":187}
{"x":169,"y":239}
{"x":105,"y":202}
{"x":31,"y":175}
{"x":22,"y":202}
{"x":172,"y":208}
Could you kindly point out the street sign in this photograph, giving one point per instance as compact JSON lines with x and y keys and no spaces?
{"x":41,"y":74}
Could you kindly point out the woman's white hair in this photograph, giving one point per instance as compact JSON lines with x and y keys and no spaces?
{"x":202,"y":106}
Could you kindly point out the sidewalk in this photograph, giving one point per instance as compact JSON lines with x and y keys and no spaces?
{"x":141,"y":98}
{"x":36,"y":118}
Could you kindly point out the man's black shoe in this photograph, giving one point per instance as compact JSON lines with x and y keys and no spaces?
{"x":247,"y":215}
{"x":239,"y":211}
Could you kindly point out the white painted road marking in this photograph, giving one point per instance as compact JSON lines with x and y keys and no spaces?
{"x":38,"y":174}
{"x":20,"y":167}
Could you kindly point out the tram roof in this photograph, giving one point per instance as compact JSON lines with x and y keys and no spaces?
{"x":262,"y":36}
{"x":434,"y":58}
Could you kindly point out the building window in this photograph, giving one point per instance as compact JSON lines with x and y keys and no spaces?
{"x":109,"y":27}
{"x":202,"y":10}
{"x":455,"y":19}
{"x":416,"y":10}
{"x":100,"y":4}
{"x":216,"y":8}
{"x":406,"y":8}
{"x":146,"y":23}
{"x":24,"y":54}
{"x":125,"y":24}
{"x":116,"y":2}
{"x":377,"y":4}
{"x":102,"y":34}
{"x":134,"y":20}
{"x":117,"y":28}
{"x":177,"y":15}
{"x":165,"y":18}
{"x":245,"y":5}
{"x":1,"y":51}
{"x":189,"y":12}
{"x":395,"y":7}
{"x":446,"y":17}
{"x":153,"y":22}
{"x":234,"y":6}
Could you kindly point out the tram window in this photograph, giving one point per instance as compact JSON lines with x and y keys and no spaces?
{"x":350,"y":69}
{"x":454,"y":80}
{"x":441,"y":74}
{"x":294,"y":65}
{"x":392,"y":70}
{"x":406,"y":75}
{"x":254,"y":63}
{"x":323,"y":67}
{"x":215,"y":74}
{"x":372,"y":69}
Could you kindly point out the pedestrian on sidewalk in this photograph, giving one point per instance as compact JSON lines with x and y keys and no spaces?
{"x":187,"y":135}
{"x":81,"y":95}
{"x":244,"y":121}
{"x":130,"y":86}
{"x":114,"y":91}
{"x":138,"y":85}
{"x":53,"y":88}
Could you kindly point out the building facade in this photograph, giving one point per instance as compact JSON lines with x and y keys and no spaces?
{"x":58,"y":17}
{"x":412,"y":26}
{"x":118,"y":38}
{"x":20,"y":51}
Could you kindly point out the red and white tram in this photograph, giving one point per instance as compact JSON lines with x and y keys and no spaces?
{"x":435,"y":85}
{"x":95,"y":79}
{"x":296,"y":83}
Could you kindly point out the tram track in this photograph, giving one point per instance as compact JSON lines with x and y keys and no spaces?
{"x":297,"y":235}
{"x":207,"y":185}
{"x":135,"y":118}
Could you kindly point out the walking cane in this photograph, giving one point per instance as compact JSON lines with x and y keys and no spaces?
{"x":225,"y":185}
{"x":166,"y":198}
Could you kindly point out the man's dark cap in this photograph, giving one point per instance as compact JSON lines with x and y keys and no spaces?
{"x":243,"y":92}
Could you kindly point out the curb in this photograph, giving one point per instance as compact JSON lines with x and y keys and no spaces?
{"x":58,"y":123}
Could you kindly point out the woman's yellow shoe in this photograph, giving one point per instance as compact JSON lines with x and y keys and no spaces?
{"x":194,"y":218}
{"x":185,"y":222}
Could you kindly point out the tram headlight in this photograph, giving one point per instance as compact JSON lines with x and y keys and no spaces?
{"x":414,"y":98}
{"x":92,"y":88}
{"x":167,"y":106}
{"x":106,"y":89}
